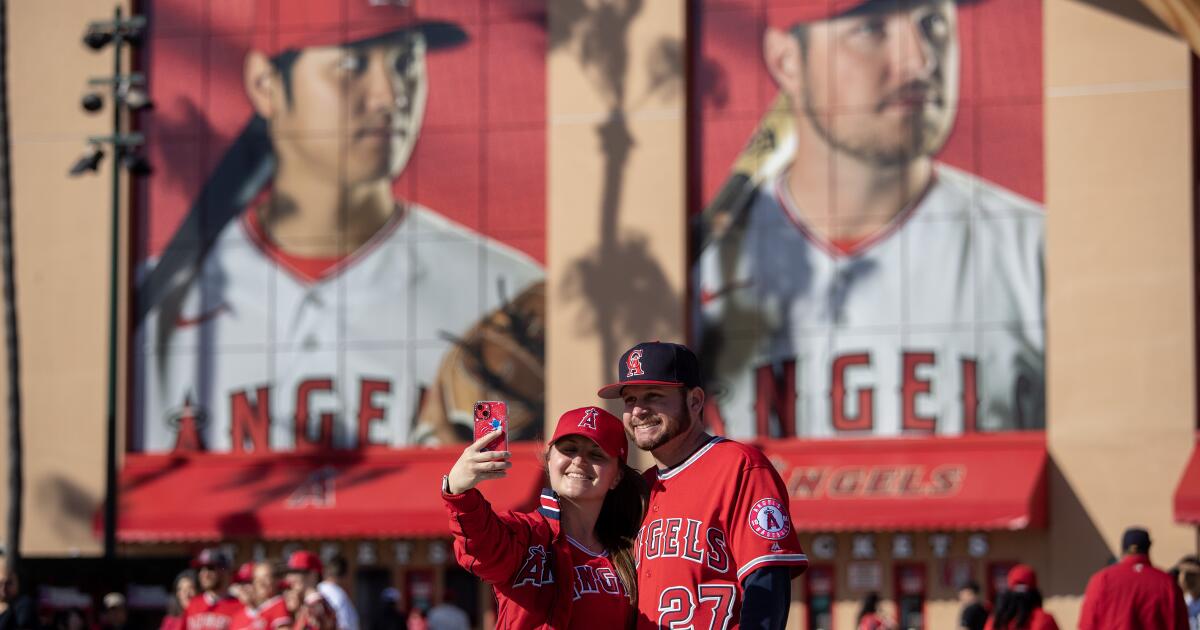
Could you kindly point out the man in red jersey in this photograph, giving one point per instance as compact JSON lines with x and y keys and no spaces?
{"x":1132,"y":594}
{"x":308,"y":607}
{"x":717,"y":548}
{"x":214,"y":607}
{"x":241,"y":584}
{"x":267,"y":610}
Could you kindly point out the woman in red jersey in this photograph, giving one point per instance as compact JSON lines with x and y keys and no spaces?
{"x":1020,"y":607}
{"x":570,"y":564}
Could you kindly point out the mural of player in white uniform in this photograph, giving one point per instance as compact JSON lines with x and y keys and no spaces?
{"x":869,"y":289}
{"x":320,"y":315}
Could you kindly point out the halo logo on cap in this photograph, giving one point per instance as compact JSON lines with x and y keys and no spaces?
{"x":588,"y":421}
{"x":634,"y":364}
{"x":597,"y":425}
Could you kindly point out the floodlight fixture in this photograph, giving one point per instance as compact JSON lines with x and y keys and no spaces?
{"x":97,"y":37}
{"x":92,"y":102}
{"x":88,"y":162}
{"x":136,"y":164}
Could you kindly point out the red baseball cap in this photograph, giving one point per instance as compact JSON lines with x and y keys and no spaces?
{"x":784,"y":14}
{"x":304,"y":560}
{"x":1022,"y":578}
{"x":245,"y":573}
{"x":281,"y":25}
{"x":597,"y":425}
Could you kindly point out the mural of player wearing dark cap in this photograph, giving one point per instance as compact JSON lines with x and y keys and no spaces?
{"x":868,"y":288}
{"x":305,"y":306}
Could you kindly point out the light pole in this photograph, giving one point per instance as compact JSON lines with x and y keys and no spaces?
{"x":126,"y":94}
{"x":16,"y":481}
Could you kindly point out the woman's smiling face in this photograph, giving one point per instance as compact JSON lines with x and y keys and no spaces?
{"x":580,"y":470}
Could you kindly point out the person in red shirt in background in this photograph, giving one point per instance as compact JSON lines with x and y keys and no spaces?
{"x":267,"y":609}
{"x":1132,"y":594}
{"x":214,"y":607}
{"x":1020,"y":607}
{"x":304,"y":601}
{"x":870,"y":617}
{"x":241,"y":584}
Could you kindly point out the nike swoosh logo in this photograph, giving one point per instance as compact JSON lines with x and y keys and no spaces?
{"x":184,"y":322}
{"x":708,"y":296}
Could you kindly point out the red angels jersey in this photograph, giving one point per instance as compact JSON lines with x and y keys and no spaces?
{"x":211,"y":612}
{"x":711,"y":521}
{"x":598,"y":598}
{"x":268,"y":615}
{"x":256,"y":356}
{"x":933,"y":326}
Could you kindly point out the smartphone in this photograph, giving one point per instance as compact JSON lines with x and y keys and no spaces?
{"x":489,"y":416}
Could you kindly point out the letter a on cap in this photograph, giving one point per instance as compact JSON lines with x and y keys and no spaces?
{"x":634,"y":363}
{"x":589,"y":419}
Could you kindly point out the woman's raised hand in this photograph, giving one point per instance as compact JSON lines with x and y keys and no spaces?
{"x":476,"y":465}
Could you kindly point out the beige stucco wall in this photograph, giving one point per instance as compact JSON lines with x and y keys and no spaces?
{"x":1121,"y":288}
{"x":62,"y":230}
{"x":615,"y":202}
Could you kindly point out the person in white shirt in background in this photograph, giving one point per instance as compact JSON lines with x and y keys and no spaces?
{"x":445,"y":615}
{"x":332,"y":590}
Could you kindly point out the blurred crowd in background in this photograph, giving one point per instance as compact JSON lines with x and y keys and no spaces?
{"x":299,"y":592}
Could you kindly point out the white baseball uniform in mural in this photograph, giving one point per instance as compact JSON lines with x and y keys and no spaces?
{"x":256,"y":353}
{"x":934,"y":325}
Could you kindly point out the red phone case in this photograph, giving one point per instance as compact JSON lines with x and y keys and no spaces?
{"x":489,"y":416}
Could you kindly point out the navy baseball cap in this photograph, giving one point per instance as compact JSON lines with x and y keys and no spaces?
{"x":1135,"y":536}
{"x":210,"y":557}
{"x":655,"y":363}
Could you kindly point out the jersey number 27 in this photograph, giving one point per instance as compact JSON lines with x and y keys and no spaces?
{"x":681,"y":609}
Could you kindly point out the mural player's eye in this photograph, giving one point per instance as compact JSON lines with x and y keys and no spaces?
{"x":935,"y":27}
{"x":352,"y":62}
{"x":404,"y":62}
{"x":873,"y":27}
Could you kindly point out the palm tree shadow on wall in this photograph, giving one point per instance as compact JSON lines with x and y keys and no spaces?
{"x":628,"y":295}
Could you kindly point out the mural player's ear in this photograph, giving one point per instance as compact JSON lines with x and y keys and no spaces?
{"x":261,"y":83}
{"x":781,"y":52}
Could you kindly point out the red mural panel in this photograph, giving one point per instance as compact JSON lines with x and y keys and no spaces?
{"x":343,"y":202}
{"x":867,"y":178}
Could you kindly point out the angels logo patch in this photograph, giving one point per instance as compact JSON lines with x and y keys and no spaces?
{"x":589,"y":419}
{"x":769,"y":520}
{"x":634,"y":363}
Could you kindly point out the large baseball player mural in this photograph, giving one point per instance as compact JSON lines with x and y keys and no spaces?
{"x":341,"y":279}
{"x":870,"y":267}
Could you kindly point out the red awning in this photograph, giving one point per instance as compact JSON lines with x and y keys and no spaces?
{"x":293,"y":496}
{"x":1187,"y":494}
{"x":995,"y":481}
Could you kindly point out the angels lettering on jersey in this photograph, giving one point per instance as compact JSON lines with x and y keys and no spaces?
{"x":592,"y":573}
{"x":934,"y":326}
{"x":688,"y":539}
{"x":254,"y":356}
